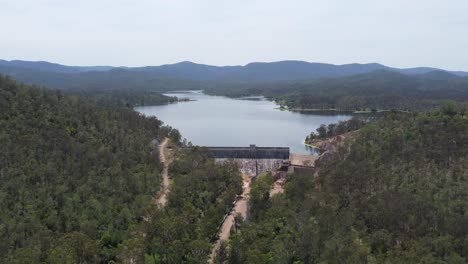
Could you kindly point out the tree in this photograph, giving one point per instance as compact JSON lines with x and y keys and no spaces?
{"x":73,"y":248}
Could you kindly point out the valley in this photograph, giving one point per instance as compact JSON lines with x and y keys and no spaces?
{"x":99,"y":178}
{"x":233,"y":132}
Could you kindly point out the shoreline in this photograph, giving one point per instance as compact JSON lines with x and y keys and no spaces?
{"x":165,"y":103}
{"x":329,"y":110}
{"x":310,"y":145}
{"x":338,"y":110}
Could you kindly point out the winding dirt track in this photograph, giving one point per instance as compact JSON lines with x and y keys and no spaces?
{"x":241,"y":207}
{"x":161,"y":197}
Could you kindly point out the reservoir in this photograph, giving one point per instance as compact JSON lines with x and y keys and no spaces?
{"x":220,"y":121}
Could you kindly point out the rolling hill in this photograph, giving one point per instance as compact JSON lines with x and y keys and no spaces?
{"x":297,"y":84}
{"x":252,"y":72}
{"x":380,"y":89}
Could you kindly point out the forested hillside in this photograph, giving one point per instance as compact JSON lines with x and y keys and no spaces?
{"x":125,"y":97}
{"x":380,"y":90}
{"x":186,"y":70}
{"x":295,"y":84}
{"x":201,"y":194}
{"x":77,"y":181}
{"x":396,"y":193}
{"x":109,"y":86}
{"x":70,"y":172}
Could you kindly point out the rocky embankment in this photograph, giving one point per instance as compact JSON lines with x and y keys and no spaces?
{"x":329,"y":146}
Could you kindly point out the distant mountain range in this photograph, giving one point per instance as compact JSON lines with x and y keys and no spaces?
{"x":50,"y":67}
{"x":252,"y":72}
{"x":296,"y":84}
{"x":380,"y":89}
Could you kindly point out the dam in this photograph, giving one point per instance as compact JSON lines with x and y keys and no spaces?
{"x":255,"y":160}
{"x":252,"y":160}
{"x":251,"y":152}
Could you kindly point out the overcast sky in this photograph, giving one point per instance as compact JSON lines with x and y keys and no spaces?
{"x":400,"y":33}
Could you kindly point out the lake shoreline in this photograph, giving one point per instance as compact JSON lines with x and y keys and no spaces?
{"x":222,"y":121}
{"x":310,"y":145}
{"x":333,"y":110}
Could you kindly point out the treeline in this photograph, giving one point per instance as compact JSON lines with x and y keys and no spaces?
{"x":396,"y":195}
{"x":111,"y":79}
{"x":77,"y":182}
{"x":381,"y":90}
{"x":116,"y":86}
{"x":126,"y":97}
{"x":339,"y":128}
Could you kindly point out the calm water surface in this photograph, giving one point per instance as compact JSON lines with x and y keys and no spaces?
{"x":222,"y":121}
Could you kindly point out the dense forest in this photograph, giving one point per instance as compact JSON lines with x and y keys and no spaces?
{"x":71,"y":173}
{"x":381,"y":90}
{"x":112,"y":86}
{"x":395,"y":193}
{"x":77,"y":181}
{"x":78,"y":176}
{"x":125,"y":97}
{"x":201,"y":194}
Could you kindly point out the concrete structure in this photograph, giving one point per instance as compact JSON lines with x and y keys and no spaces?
{"x":252,"y":160}
{"x":251,"y":152}
{"x":255,"y":160}
{"x":254,"y":167}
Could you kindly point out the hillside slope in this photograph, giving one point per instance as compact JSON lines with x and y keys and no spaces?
{"x":397,"y":193}
{"x":72,"y":174}
{"x":378,"y":90}
{"x":296,"y":84}
{"x":77,"y":181}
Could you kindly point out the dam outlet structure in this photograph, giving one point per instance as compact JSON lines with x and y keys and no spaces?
{"x":252,"y":160}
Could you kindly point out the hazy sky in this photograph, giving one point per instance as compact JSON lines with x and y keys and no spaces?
{"x":401,"y":33}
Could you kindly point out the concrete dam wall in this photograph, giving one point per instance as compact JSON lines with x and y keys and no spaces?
{"x":254,"y":167}
{"x":252,"y":160}
{"x":252,"y":152}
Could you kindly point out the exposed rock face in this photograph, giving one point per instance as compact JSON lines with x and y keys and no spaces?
{"x":329,"y":147}
{"x":302,"y":160}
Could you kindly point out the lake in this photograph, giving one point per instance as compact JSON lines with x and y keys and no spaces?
{"x":221,"y":121}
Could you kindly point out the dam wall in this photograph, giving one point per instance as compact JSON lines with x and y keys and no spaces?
{"x":254,"y":167}
{"x":251,"y":152}
{"x":251,"y":160}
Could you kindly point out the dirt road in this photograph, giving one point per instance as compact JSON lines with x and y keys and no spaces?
{"x":241,"y":207}
{"x":161,"y":197}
